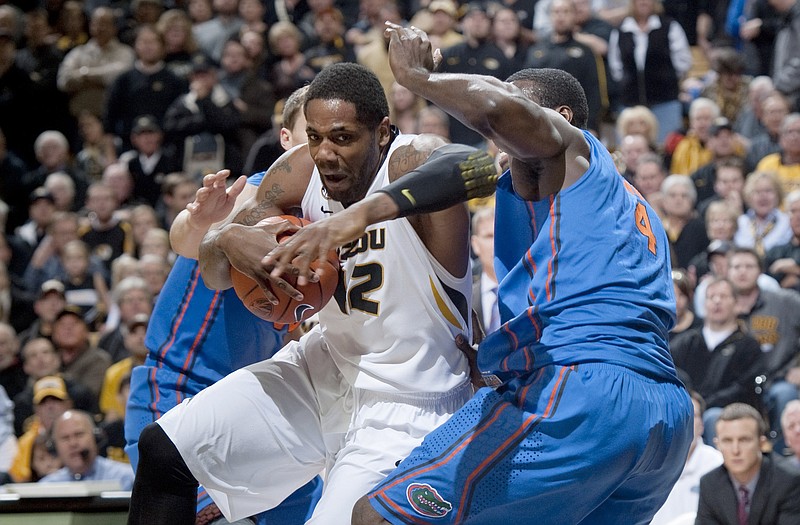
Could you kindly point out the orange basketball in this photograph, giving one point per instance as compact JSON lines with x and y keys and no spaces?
{"x":288,"y":311}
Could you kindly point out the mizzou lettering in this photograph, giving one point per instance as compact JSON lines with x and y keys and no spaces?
{"x":371,"y":240}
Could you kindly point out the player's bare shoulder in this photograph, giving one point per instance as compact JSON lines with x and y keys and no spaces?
{"x":408,"y":157}
{"x":283,"y":184}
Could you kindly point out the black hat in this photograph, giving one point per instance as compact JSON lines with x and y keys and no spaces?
{"x":41,"y":193}
{"x":474,"y":7}
{"x":145,"y":123}
{"x":202,"y":62}
{"x":71,"y":309}
{"x":719,"y":124}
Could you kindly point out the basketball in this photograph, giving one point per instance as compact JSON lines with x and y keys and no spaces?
{"x":288,"y":311}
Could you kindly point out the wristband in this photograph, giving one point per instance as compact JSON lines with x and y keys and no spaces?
{"x":452,"y":174}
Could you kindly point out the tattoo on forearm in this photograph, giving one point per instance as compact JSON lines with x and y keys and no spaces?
{"x":268,"y":200}
{"x":405,"y":159}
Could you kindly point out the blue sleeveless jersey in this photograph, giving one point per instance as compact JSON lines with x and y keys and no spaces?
{"x":584,"y":277}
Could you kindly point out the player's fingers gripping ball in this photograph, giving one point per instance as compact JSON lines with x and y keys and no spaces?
{"x":288,"y":310}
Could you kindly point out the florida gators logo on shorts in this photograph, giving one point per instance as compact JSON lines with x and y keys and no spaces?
{"x":426,"y":501}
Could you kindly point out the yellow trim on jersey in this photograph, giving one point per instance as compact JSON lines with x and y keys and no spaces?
{"x":446,"y":312}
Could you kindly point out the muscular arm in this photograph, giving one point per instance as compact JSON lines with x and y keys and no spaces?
{"x":237,"y":242}
{"x":498,"y":110}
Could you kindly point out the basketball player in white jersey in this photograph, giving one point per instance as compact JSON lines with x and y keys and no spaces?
{"x":381,"y":370}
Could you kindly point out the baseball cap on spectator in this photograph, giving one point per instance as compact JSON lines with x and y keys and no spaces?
{"x":202,"y":62}
{"x":51,"y":286}
{"x":49,"y":386}
{"x":719,"y":247}
{"x":474,"y":7}
{"x":71,"y":309}
{"x":443,"y":5}
{"x":719,"y":124}
{"x":145,"y":123}
{"x":138,"y":320}
{"x":41,"y":193}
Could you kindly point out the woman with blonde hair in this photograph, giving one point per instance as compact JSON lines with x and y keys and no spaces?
{"x":175,"y":28}
{"x":763,"y":225}
{"x":638,"y":120}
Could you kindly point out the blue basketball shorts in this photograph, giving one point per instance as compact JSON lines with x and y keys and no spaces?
{"x":589,"y":444}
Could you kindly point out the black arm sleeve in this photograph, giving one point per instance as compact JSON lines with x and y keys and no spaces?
{"x":453,"y":173}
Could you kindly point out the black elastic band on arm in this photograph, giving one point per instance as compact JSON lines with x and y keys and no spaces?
{"x":453,"y":173}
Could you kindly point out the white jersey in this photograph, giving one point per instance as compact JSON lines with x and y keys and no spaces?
{"x":395,"y":306}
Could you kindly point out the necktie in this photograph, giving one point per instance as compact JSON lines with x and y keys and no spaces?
{"x":744,"y":502}
{"x":494,"y":319}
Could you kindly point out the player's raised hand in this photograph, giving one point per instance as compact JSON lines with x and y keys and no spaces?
{"x":409,"y":49}
{"x":214,"y":200}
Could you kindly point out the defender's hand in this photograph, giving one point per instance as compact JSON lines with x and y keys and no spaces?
{"x":409,"y":49}
{"x":213,"y":201}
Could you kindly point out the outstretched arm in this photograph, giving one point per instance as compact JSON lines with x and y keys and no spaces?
{"x":213,"y":203}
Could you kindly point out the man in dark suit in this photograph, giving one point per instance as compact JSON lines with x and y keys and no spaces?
{"x":749,"y":488}
{"x":484,"y":284}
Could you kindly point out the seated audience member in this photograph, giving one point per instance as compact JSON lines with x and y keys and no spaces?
{"x":50,"y":400}
{"x":105,"y":234}
{"x":771,"y":317}
{"x":62,"y":188}
{"x":433,"y":120}
{"x":729,"y":89}
{"x":154,"y":269}
{"x":48,"y":303}
{"x":748,"y":122}
{"x":763,"y":225}
{"x":98,"y":149}
{"x":40,"y":212}
{"x":638,"y":120}
{"x":131,"y":297}
{"x":775,"y":108}
{"x":783,"y":261}
{"x":150,"y":160}
{"x":114,"y":430}
{"x":631,"y":148}
{"x":177,"y":191}
{"x":648,"y":177}
{"x":133,"y":336}
{"x":83,"y":288}
{"x":46,"y":262}
{"x":12,"y":375}
{"x":790,"y":422}
{"x":723,"y":144}
{"x":143,"y":218}
{"x":156,"y":242}
{"x":786,"y":161}
{"x":684,"y":291}
{"x":720,"y":222}
{"x":80,"y":359}
{"x":750,"y":486}
{"x":683,"y":498}
{"x":44,"y":459}
{"x":728,"y":185}
{"x":721,"y":360}
{"x":117,"y":177}
{"x":74,"y":435}
{"x":8,"y":441}
{"x":692,"y":150}
{"x":687,"y":235}
{"x":40,"y":359}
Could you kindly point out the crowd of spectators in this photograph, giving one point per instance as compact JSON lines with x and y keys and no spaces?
{"x":111,"y":112}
